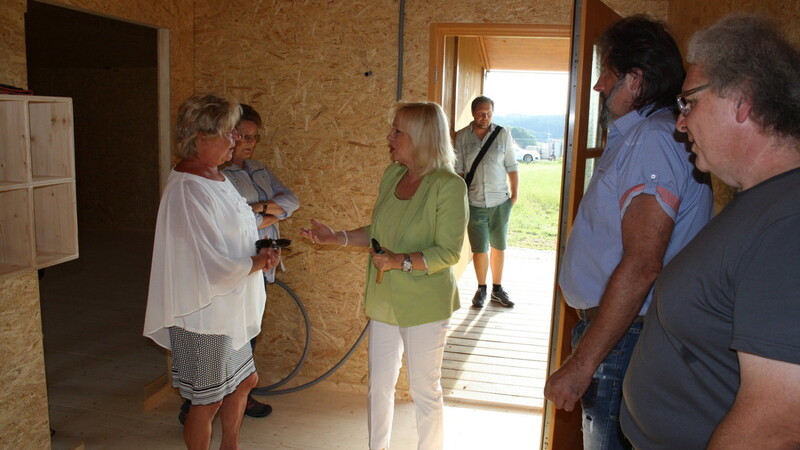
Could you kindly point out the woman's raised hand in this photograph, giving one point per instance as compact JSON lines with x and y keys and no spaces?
{"x":319,"y":233}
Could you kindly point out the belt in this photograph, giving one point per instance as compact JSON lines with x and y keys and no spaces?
{"x":589,"y":314}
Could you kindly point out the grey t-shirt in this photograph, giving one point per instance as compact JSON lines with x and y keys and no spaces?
{"x":735,"y":287}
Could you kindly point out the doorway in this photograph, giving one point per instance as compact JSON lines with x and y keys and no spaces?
{"x":110,"y":69}
{"x":495,"y":355}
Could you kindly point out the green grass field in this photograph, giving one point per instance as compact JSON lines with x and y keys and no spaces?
{"x":534,"y":219}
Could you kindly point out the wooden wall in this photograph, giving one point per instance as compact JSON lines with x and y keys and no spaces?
{"x":12,"y":45}
{"x":470,"y":79}
{"x":23,"y":417}
{"x":302,"y":65}
{"x":24,"y":412}
{"x":688,"y":16}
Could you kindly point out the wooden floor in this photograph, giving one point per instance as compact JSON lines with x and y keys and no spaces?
{"x":498,"y":355}
{"x":98,"y":363}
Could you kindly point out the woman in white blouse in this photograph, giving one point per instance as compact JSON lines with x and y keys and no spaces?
{"x":206,"y":296}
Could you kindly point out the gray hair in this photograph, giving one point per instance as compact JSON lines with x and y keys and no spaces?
{"x":210,"y":114}
{"x":747,"y":57}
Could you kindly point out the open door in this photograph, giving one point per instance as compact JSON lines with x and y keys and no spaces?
{"x":585,"y":139}
{"x":453,"y":84}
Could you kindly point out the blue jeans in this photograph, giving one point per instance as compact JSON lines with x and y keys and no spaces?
{"x":601,"y":402}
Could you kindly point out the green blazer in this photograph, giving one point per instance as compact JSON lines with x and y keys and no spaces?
{"x":435,"y":225}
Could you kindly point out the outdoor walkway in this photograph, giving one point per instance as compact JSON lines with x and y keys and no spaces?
{"x":499,"y":355}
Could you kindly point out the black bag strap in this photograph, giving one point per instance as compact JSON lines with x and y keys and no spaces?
{"x":483,"y":151}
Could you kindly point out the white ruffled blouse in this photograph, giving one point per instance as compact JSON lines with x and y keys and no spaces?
{"x":205,"y":236}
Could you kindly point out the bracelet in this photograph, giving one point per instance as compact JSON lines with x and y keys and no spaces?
{"x":264,"y":207}
{"x":346,"y":238}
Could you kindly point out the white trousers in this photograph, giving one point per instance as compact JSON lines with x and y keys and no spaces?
{"x":424,"y":349}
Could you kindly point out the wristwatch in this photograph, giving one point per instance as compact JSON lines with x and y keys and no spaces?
{"x":408,"y":266}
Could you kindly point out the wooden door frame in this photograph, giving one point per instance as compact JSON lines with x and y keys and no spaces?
{"x":440,"y":31}
{"x":560,"y":429}
{"x":164,"y":102}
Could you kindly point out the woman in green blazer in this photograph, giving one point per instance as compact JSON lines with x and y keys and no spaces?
{"x":419,"y":217}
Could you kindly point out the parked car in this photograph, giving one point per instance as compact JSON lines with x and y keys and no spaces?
{"x":526,"y":155}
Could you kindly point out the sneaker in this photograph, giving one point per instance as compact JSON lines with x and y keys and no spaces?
{"x":500,"y":296}
{"x":255,"y":408}
{"x":479,"y":299}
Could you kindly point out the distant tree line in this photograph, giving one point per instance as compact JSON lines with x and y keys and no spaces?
{"x":527,"y":130}
{"x":522,"y":136}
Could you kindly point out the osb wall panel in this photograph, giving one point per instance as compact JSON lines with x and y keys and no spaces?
{"x":12,"y":43}
{"x":323,"y":75}
{"x":23,"y":417}
{"x":686,"y":17}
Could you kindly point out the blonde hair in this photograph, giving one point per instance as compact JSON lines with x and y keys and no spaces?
{"x":428,"y":128}
{"x":210,"y":114}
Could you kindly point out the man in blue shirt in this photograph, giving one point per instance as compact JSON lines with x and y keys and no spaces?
{"x":490,"y":199}
{"x":644,"y":202}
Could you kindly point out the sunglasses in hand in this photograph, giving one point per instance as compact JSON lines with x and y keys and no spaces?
{"x":272,"y":243}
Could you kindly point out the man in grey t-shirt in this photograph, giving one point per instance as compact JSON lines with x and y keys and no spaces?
{"x":718,"y":361}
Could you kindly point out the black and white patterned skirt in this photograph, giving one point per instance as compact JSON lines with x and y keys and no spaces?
{"x":205,"y":367}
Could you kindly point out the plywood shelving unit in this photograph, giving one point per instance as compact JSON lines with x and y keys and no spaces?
{"x":38,"y":219}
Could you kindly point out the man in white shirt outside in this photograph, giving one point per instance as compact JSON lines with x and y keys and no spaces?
{"x":492,"y":191}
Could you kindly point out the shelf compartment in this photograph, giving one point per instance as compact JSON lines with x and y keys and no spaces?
{"x":51,"y":140}
{"x":14,"y":161}
{"x":16,"y":242}
{"x":38,"y":220}
{"x":55,"y":224}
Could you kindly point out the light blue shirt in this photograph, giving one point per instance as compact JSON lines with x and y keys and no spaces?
{"x":257,"y":184}
{"x":641,"y":157}
{"x":489,"y":186}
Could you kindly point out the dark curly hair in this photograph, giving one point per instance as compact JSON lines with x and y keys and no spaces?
{"x":639,"y":42}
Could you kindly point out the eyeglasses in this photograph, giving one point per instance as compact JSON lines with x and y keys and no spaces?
{"x":251,"y":137}
{"x":684,"y":105}
{"x":233,"y":134}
